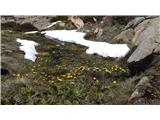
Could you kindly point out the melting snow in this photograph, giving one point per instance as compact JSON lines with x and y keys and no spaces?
{"x":54,"y":23}
{"x":31,"y":32}
{"x":102,"y":48}
{"x":29,"y":48}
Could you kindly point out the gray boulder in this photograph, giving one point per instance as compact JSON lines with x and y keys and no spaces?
{"x":126,"y":35}
{"x":148,"y":41}
{"x":134,"y":22}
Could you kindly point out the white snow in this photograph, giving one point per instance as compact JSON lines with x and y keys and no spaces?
{"x":29,"y":48}
{"x":31,"y":32}
{"x":54,"y":23}
{"x":102,"y":48}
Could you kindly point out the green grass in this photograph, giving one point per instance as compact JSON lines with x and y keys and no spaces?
{"x":65,"y":74}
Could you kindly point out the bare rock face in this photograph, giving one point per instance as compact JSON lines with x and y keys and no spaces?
{"x":148,"y":41}
{"x":134,"y":22}
{"x":144,"y":34}
{"x":146,"y":91}
{"x":140,"y":88}
{"x":145,"y":60}
{"x":126,"y":35}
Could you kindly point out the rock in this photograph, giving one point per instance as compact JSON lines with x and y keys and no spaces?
{"x":76,"y":21}
{"x":126,"y":35}
{"x":143,"y":24}
{"x":25,"y":27}
{"x":134,"y":22}
{"x":35,"y":22}
{"x":137,"y":33}
{"x":146,"y":91}
{"x":140,"y":88}
{"x":98,"y":32}
{"x":107,"y":20}
{"x":150,"y":17}
{"x":157,"y":49}
{"x":7,"y":19}
{"x":148,"y":42}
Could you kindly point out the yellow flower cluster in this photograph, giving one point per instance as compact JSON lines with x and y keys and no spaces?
{"x":68,"y":76}
{"x":74,"y":72}
{"x":16,"y":75}
{"x":117,"y":68}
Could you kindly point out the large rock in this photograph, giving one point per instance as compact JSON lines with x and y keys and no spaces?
{"x":126,"y":35}
{"x":140,"y":88}
{"x":148,"y":41}
{"x":133,"y":23}
{"x":146,"y":91}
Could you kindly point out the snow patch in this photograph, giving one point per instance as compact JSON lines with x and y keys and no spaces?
{"x":54,"y":23}
{"x":29,"y":48}
{"x":31,"y":32}
{"x":102,"y":48}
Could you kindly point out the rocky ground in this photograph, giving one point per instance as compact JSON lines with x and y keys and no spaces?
{"x":64,"y":74}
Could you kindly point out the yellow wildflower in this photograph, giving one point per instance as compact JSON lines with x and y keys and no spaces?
{"x":108,"y":71}
{"x":59,"y":79}
{"x":114,"y":82}
{"x":34,"y":66}
{"x":18,"y":75}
